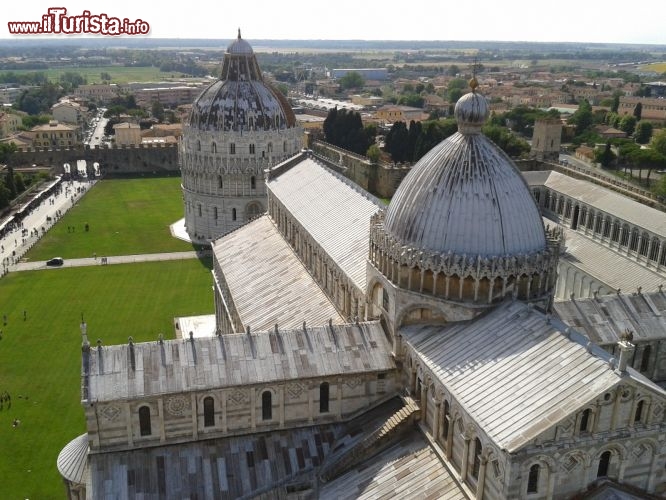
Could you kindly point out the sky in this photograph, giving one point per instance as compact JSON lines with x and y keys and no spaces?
{"x":501,"y":20}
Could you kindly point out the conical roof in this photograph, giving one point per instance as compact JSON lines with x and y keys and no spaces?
{"x":240,"y":100}
{"x":466,"y":196}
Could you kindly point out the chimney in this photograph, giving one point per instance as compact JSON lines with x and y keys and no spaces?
{"x":626,"y":352}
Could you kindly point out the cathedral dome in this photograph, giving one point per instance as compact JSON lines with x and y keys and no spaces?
{"x":241,"y":100}
{"x":466,"y":196}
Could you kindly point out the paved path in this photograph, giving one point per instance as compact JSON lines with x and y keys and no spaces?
{"x":14,"y":245}
{"x":116,"y":259}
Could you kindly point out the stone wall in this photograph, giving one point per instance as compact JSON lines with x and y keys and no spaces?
{"x":129,"y":160}
{"x":380,"y":179}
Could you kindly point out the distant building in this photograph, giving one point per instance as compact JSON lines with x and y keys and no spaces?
{"x":394,"y":113}
{"x":9,"y":124}
{"x":167,"y":96}
{"x":651,"y":109}
{"x":69,"y":112}
{"x":127,"y":134}
{"x":369,"y":100}
{"x":55,"y":135}
{"x":546,"y":138}
{"x":101,"y":93}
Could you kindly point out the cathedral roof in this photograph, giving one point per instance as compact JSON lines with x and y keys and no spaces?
{"x":267,"y":282}
{"x":133,"y":371}
{"x":240,"y":100}
{"x":333,"y":210}
{"x":518,"y":372}
{"x":466,"y":196}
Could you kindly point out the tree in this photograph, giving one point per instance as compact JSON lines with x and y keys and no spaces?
{"x":658,"y":142}
{"x":616,"y":103}
{"x":105,"y":76}
{"x":4,"y":196}
{"x":628,"y":124}
{"x":582,"y":118}
{"x":643,"y":132}
{"x":373,"y":153}
{"x":10,"y":184}
{"x":638,"y":110}
{"x":453,"y":70}
{"x":157,"y":110}
{"x":352,"y":80}
{"x":604,"y":156}
{"x":396,"y":142}
{"x":19,"y":182}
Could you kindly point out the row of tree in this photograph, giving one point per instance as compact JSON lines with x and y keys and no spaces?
{"x":345,"y":129}
{"x":12,"y":184}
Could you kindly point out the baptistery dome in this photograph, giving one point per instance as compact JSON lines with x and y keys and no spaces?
{"x":466,"y":196}
{"x":239,"y":127}
{"x":241,"y":100}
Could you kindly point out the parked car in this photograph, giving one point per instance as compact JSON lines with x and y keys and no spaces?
{"x":55,"y":261}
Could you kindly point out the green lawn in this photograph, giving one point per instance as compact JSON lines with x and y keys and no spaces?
{"x":125,"y":217}
{"x":40,"y":357}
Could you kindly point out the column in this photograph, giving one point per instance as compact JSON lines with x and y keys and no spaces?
{"x":465,"y":459}
{"x":253,"y":409}
{"x":482,"y":478}
{"x":435,"y":423}
{"x":310,"y":403}
{"x":282,"y":409}
{"x":160,"y":411}
{"x":195,"y":417}
{"x":339,"y":397}
{"x":224,"y":412}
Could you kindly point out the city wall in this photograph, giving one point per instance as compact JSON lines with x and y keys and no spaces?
{"x":121,"y":160}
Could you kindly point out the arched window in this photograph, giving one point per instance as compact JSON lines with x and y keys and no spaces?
{"x":213,"y":148}
{"x":638,"y":416}
{"x":323,"y":397}
{"x":199,"y":208}
{"x":445,"y":419}
{"x":585,"y":421}
{"x":284,"y":147}
{"x":215,"y":213}
{"x":477,"y":458}
{"x":232,"y":149}
{"x":144,"y":421}
{"x":604,"y":462}
{"x":645,"y":359}
{"x":270,"y":147}
{"x":233,"y":214}
{"x":251,"y":149}
{"x":266,"y":405}
{"x":209,"y":411}
{"x":253,"y":182}
{"x":533,"y":479}
{"x":198,"y":145}
{"x":219,"y":182}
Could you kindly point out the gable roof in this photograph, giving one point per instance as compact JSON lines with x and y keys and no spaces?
{"x":267,"y":281}
{"x":175,"y":366}
{"x":333,"y":210}
{"x":515,"y":371}
{"x":605,"y":318}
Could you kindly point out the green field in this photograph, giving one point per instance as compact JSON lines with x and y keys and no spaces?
{"x":119,"y":74}
{"x":40,"y":357}
{"x":125,"y":217}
